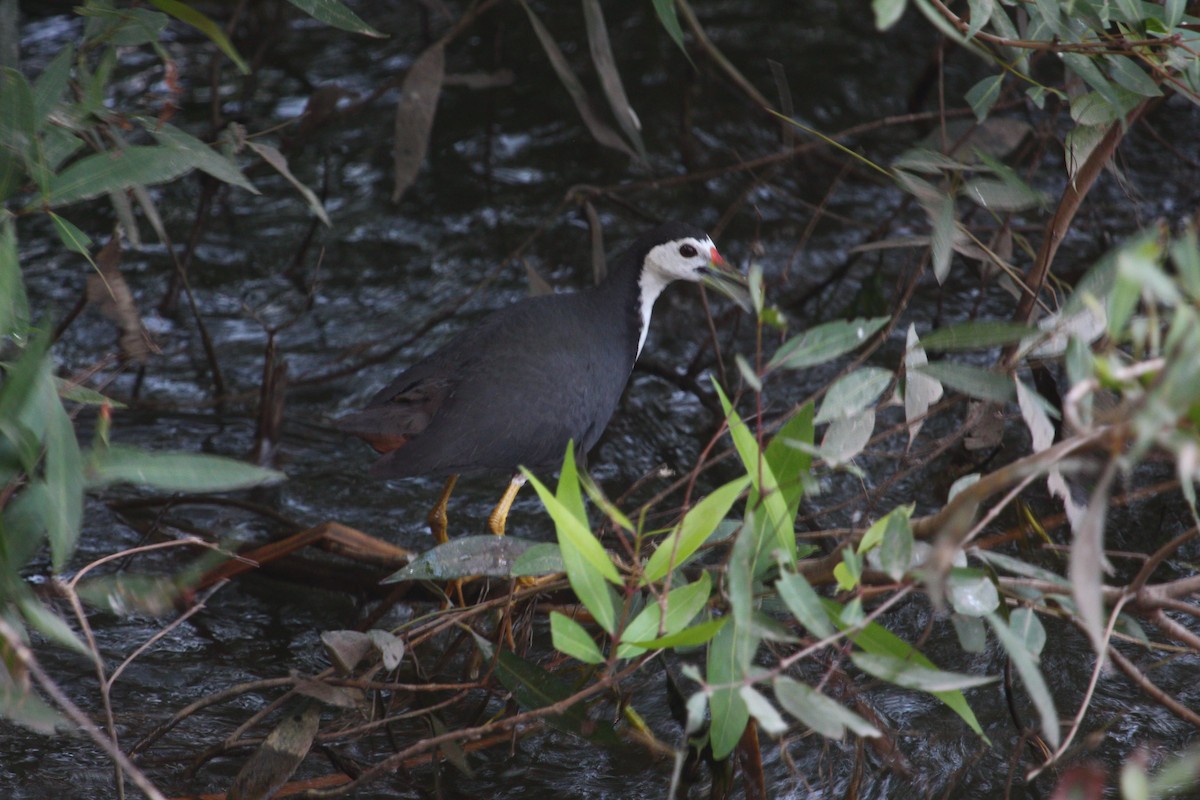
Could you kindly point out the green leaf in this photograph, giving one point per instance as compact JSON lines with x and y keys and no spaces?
{"x":1002,"y":196}
{"x":698,"y":634}
{"x":943,"y":230}
{"x":824,"y":715}
{"x":887,"y":12}
{"x":534,"y":687}
{"x":279,"y":163}
{"x":587,"y":564}
{"x":63,"y":474}
{"x":544,"y":558}
{"x":726,"y":706}
{"x":1028,"y":629}
{"x":174,"y":471}
{"x":569,"y":637}
{"x":971,"y":380}
{"x":14,"y":306}
{"x":683,"y":604}
{"x":71,"y":237}
{"x":789,"y":463}
{"x":1127,"y":73}
{"x":825,"y":343}
{"x":116,"y":171}
{"x":568,"y":489}
{"x":464,"y":556}
{"x":981,"y":13}
{"x":49,"y":87}
{"x":896,"y":548}
{"x":763,"y":480}
{"x":976,"y":335}
{"x":910,"y":675}
{"x":51,"y":625}
{"x":190,"y":16}
{"x":693,"y":530}
{"x":875,"y":639}
{"x":983,"y":95}
{"x":668,"y":15}
{"x":761,"y":709}
{"x":18,"y":125}
{"x":336,"y":15}
{"x":854,"y":393}
{"x":1031,"y":676}
{"x":201,"y":156}
{"x":804,"y":603}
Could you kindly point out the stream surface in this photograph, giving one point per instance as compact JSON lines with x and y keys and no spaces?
{"x":501,"y":161}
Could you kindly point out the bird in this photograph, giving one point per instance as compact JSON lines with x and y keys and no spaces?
{"x":528,"y":379}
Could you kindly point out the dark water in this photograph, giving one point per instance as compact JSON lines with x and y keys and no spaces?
{"x":501,"y":160}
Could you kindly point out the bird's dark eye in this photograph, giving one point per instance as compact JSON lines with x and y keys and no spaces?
{"x":687,"y":251}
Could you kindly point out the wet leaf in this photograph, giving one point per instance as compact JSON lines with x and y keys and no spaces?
{"x":569,"y":637}
{"x":600,"y":131}
{"x":853,"y":393}
{"x":279,"y":755}
{"x":825,"y":343}
{"x":465,"y":556}
{"x":415,"y":111}
{"x":693,"y":531}
{"x":174,"y":471}
{"x":190,"y":16}
{"x":610,"y":78}
{"x":280,"y":165}
{"x":335,"y":14}
{"x":910,"y":675}
{"x":346,"y":649}
{"x":972,"y":593}
{"x":820,"y":713}
{"x":543,"y":558}
{"x":683,"y":604}
{"x":761,"y":709}
{"x":1031,"y":677}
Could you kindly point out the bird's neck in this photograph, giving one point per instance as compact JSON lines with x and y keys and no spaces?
{"x":633,"y":290}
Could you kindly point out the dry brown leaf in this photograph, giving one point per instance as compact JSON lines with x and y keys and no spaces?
{"x":414,"y":116}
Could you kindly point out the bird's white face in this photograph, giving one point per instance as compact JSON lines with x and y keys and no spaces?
{"x":686,"y":259}
{"x":690,"y":259}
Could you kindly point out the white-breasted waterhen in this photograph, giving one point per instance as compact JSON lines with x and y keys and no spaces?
{"x":516,"y":388}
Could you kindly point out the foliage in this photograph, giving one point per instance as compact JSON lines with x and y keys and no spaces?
{"x":1102,"y":379}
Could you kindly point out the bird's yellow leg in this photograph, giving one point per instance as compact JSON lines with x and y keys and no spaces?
{"x":438,"y":520}
{"x":499,"y":514}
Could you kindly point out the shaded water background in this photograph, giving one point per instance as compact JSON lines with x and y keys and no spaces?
{"x":501,"y":162}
